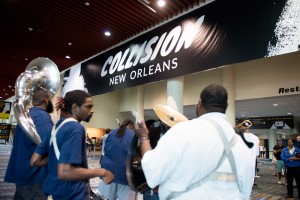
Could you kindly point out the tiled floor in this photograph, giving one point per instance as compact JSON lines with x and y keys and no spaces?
{"x":267,"y":187}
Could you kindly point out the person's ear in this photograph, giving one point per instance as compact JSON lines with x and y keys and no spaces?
{"x":46,"y":101}
{"x":198,"y":108}
{"x":74,"y":108}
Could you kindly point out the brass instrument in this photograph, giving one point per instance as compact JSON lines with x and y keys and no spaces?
{"x":40,"y":73}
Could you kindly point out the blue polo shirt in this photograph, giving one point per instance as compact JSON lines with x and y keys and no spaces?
{"x":116,"y":150}
{"x":285,"y":155}
{"x":71,"y":144}
{"x":18,"y":169}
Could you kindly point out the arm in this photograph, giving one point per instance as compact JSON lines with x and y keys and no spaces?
{"x":38,"y":160}
{"x":71,"y":173}
{"x":142,"y":133}
{"x":284,"y":156}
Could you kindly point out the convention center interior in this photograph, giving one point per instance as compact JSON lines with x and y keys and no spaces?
{"x":148,"y":61}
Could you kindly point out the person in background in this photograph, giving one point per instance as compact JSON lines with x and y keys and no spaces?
{"x":199,"y":163}
{"x":244,"y":125}
{"x":261,"y":150}
{"x":277,"y":149}
{"x":298,"y":140}
{"x":65,"y":152}
{"x":89,"y":143}
{"x":291,"y":158}
{"x":28,"y":179}
{"x":116,"y":148}
{"x":274,"y":166}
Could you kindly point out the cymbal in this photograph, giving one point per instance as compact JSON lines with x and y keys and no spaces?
{"x":168,"y":115}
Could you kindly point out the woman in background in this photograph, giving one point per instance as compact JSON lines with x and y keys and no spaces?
{"x":116,"y":148}
{"x":291,"y":158}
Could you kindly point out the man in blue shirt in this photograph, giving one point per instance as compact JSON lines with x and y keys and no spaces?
{"x":28,"y":179}
{"x":65,"y":152}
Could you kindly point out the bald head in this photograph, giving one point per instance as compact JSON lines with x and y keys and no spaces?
{"x":213,"y":98}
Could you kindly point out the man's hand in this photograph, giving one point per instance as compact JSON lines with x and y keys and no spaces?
{"x":108,"y":177}
{"x":142,"y":133}
{"x":141,"y":130}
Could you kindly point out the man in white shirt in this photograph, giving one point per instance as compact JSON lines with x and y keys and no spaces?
{"x":190,"y":161}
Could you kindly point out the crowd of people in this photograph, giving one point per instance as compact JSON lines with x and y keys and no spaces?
{"x":212,"y":160}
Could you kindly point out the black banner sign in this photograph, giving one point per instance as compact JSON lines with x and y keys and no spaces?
{"x":217,"y":34}
{"x":281,"y":122}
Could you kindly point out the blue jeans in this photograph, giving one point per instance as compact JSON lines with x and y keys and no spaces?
{"x":29,"y":192}
{"x":148,"y":195}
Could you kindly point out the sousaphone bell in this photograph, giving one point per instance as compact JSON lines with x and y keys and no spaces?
{"x":40,"y":73}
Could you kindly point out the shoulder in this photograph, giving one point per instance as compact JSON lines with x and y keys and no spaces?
{"x":129,"y":131}
{"x":254,"y":137}
{"x":70,"y":126}
{"x":38,"y":112}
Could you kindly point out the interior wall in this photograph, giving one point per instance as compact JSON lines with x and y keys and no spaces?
{"x":263,"y":77}
{"x":106,"y":111}
{"x":155,"y":93}
{"x":195,"y":83}
{"x":95,"y":133}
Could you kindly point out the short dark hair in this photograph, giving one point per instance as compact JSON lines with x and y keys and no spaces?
{"x":39,"y":96}
{"x":214,"y":96}
{"x":108,"y":130}
{"x":76,"y":96}
{"x":240,"y":120}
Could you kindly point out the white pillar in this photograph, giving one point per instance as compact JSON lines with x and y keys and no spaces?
{"x":228,"y":83}
{"x":272,"y":140}
{"x":140,"y":101}
{"x":175,"y":93}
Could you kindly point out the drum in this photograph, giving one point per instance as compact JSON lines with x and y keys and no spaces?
{"x":135,"y":175}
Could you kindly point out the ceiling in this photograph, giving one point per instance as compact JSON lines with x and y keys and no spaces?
{"x":57,"y":28}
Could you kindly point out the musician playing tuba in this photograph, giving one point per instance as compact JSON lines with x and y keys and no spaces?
{"x":28,"y":179}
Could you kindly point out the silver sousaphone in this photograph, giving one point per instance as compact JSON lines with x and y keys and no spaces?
{"x":168,"y":117}
{"x":40,"y":73}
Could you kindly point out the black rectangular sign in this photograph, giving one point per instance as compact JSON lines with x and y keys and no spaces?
{"x":220,"y":33}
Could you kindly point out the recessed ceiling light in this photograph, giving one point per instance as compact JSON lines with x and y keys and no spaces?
{"x":26,"y":58}
{"x":275,"y":104}
{"x":70,"y":43}
{"x":87,"y":3}
{"x":68,"y":57}
{"x":161,"y":3}
{"x":289,"y":113}
{"x":107,"y":33}
{"x":30,"y":29}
